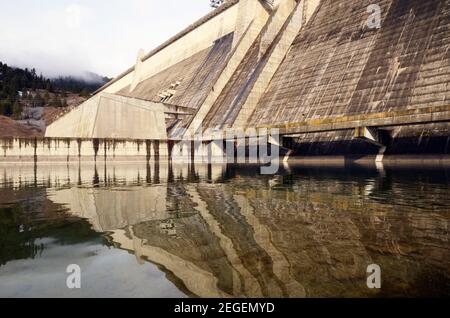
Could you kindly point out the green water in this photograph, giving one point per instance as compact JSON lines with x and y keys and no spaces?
{"x":139,"y":230}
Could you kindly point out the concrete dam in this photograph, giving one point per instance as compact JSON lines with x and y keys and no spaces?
{"x":335,"y":78}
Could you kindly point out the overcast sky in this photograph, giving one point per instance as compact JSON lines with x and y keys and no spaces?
{"x":103,"y":36}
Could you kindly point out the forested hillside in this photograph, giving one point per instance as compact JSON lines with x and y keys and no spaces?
{"x":20,"y":88}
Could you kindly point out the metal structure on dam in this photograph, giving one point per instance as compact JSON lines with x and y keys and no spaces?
{"x":316,"y":70}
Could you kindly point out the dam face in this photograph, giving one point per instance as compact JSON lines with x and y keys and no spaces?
{"x":321,"y":72}
{"x":339,"y":67}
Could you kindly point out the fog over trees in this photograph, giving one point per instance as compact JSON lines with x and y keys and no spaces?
{"x":20,"y":86}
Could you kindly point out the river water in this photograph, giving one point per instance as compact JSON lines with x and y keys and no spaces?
{"x":153,"y":230}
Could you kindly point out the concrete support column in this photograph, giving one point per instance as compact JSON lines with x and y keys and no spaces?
{"x":230,"y":150}
{"x":241,"y":150}
{"x":248,"y":9}
{"x":309,"y":7}
{"x":288,"y":12}
{"x":217,"y":151}
{"x":161,"y":149}
{"x":181,"y":151}
{"x":199,"y":150}
{"x":246,"y":13}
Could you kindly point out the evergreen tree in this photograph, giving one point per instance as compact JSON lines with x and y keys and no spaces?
{"x":56,"y":102}
{"x":13,"y":80}
{"x":2,"y":107}
{"x":84,"y":93}
{"x":38,"y":101}
{"x":46,"y":97}
{"x":49,"y":86}
{"x":17,"y":110}
{"x":25,"y":95}
{"x":7,"y":107}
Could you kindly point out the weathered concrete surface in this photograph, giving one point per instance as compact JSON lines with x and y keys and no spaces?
{"x":337,"y":66}
{"x":230,"y":100}
{"x":188,"y":82}
{"x":410,"y":117}
{"x":271,"y":61}
{"x":250,"y":78}
{"x":113,"y":117}
{"x":70,"y":149}
{"x":196,"y":38}
{"x":256,"y":17}
{"x":245,"y":88}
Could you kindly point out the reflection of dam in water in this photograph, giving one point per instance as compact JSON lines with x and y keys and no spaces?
{"x":89,"y":174}
{"x":220,"y":231}
{"x":111,"y":209}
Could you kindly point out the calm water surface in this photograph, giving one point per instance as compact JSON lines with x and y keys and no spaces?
{"x":215,"y":231}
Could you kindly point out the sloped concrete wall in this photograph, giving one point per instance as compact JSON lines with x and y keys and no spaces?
{"x":109,"y":116}
{"x":338,"y":66}
{"x":253,"y":15}
{"x":195,"y":77}
{"x":77,"y":123}
{"x":245,"y":88}
{"x":120,"y":117}
{"x":198,"y":39}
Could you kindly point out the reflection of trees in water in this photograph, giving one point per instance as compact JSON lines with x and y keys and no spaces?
{"x":16,"y":239}
{"x":27,"y":224}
